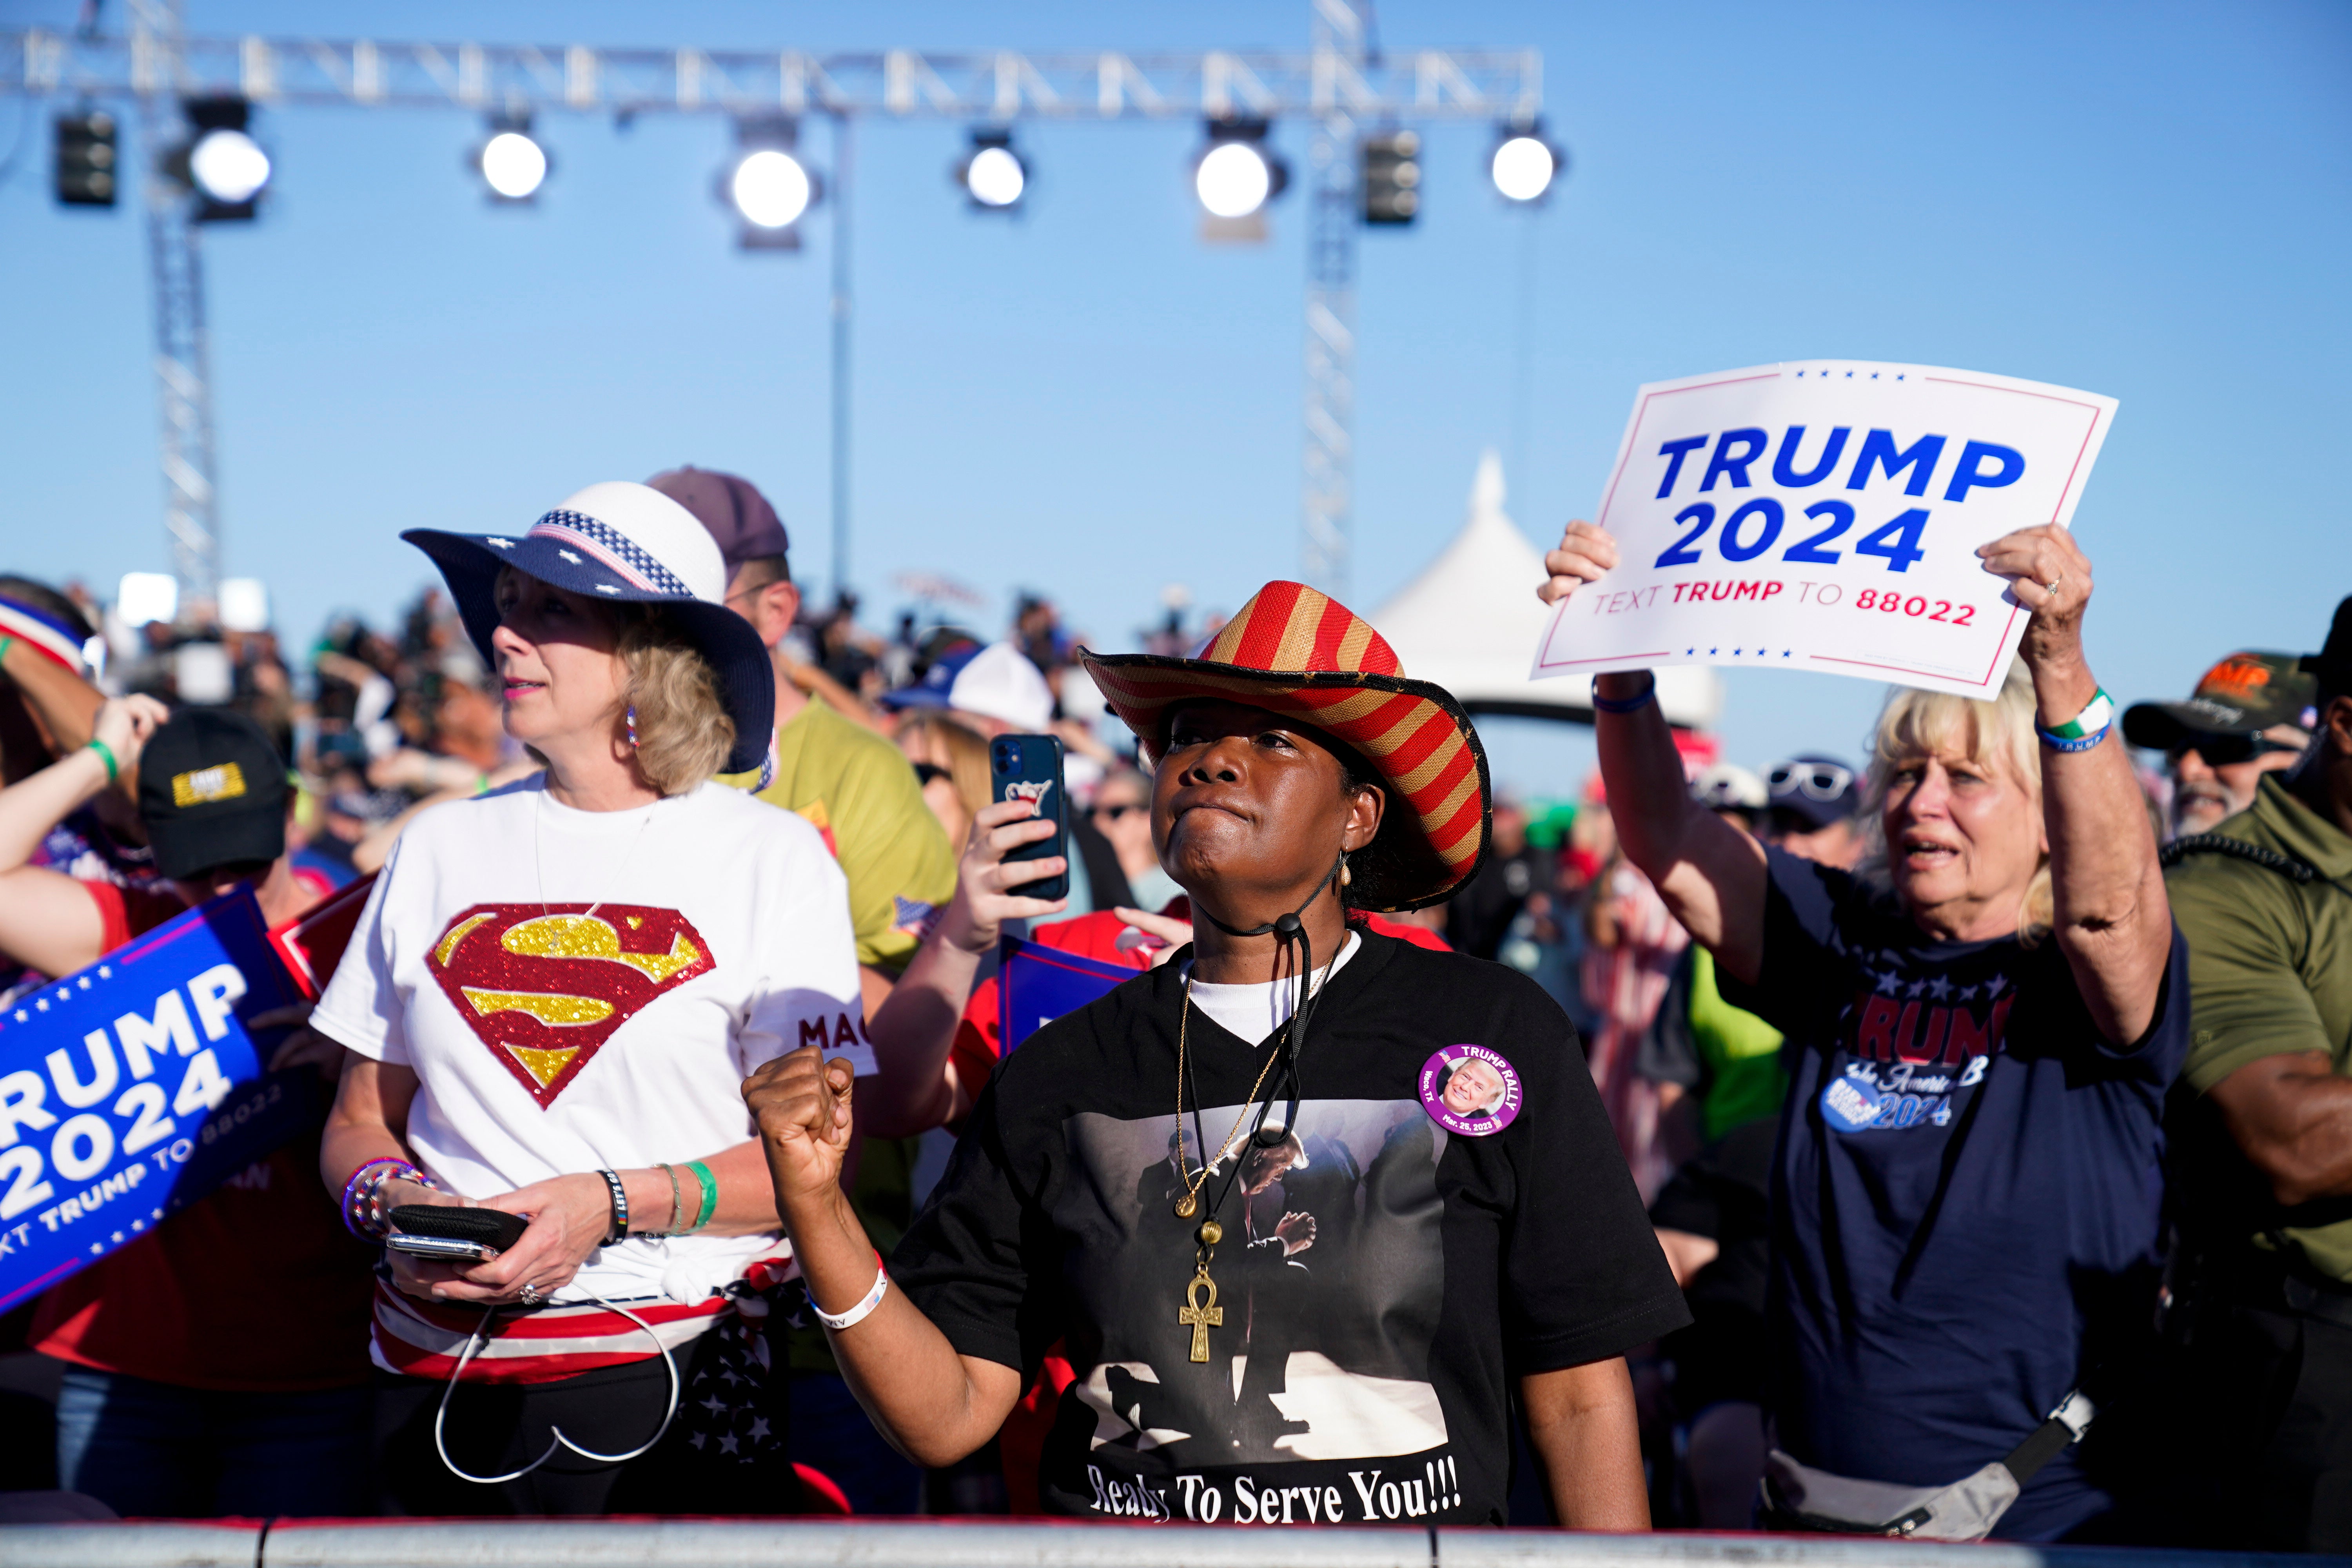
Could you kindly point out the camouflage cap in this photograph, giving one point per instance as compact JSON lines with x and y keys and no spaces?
{"x":2245,"y":693}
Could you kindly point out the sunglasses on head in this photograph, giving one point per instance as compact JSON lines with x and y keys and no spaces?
{"x":1824,"y":782}
{"x":2223,"y":750}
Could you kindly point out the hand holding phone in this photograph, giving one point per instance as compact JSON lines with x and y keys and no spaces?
{"x":1029,"y":767}
{"x":454,"y":1234}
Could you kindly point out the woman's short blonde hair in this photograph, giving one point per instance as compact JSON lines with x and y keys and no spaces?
{"x":683,"y":731}
{"x":967,"y":755}
{"x":1997,"y":735}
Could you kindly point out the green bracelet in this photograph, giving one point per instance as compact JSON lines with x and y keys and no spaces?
{"x":113,"y":769}
{"x":2095,"y":716}
{"x":709,"y":1210}
{"x":6,"y":643}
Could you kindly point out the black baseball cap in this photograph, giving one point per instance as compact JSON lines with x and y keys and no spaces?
{"x":1815,"y":791}
{"x":2331,"y":668}
{"x":212,"y":792}
{"x":2246,"y":693}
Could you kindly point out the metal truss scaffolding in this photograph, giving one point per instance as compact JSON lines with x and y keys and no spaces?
{"x":1339,"y":87}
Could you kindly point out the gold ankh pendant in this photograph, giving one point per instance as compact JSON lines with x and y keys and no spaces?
{"x":1199,"y":1316}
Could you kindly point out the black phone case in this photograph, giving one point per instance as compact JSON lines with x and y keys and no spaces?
{"x":486,"y":1227}
{"x":1031,"y":766}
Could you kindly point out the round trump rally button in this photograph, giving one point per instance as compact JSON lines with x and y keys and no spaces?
{"x":1470,"y":1089}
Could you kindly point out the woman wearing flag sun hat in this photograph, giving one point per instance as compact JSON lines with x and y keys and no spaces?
{"x":550,"y":1001}
{"x":1325,"y":1322}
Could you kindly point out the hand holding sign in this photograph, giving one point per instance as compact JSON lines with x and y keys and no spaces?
{"x":2048,"y":573}
{"x":1827,"y":517}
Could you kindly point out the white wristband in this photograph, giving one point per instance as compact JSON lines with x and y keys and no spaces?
{"x":857,"y":1314}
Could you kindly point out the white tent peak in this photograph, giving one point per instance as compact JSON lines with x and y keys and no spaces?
{"x":1470,"y":622}
{"x":1486,"y":491}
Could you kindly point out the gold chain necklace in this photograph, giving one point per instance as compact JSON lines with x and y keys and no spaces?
{"x":1198,"y":1314}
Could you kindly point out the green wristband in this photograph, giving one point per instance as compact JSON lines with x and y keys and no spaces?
{"x":113,"y":768}
{"x":2095,"y":716}
{"x":709,"y":1209}
{"x":6,"y":643}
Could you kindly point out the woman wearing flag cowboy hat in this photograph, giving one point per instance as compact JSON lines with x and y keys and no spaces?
{"x":549,"y":1002}
{"x":1334,"y":1339}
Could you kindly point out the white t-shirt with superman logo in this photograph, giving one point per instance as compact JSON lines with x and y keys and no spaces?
{"x":581,"y":991}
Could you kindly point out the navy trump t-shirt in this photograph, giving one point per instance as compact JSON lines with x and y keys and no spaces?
{"x":1966,"y":1197}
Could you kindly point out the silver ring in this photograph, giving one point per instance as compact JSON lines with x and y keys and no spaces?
{"x":2052,"y":586}
{"x":532,"y":1296}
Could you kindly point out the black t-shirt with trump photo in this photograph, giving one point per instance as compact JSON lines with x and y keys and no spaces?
{"x":1450,"y":1212}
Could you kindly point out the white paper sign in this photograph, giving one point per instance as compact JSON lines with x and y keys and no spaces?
{"x":1825,"y":515}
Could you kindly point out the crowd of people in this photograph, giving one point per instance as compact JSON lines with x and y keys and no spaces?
{"x":1948,"y":1141}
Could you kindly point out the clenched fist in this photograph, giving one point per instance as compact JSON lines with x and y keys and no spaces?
{"x":801,"y":1105}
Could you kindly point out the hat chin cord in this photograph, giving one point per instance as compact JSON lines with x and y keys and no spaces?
{"x":1288,"y":928}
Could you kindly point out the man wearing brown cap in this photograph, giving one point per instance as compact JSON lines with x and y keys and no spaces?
{"x":2263,"y":1145}
{"x":855,"y":788}
{"x":2251,"y":714}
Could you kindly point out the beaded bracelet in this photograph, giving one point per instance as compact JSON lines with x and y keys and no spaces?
{"x":363,"y":1213}
{"x":857,"y":1314}
{"x":1628,"y":704}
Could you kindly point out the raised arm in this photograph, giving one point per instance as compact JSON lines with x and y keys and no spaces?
{"x":47,"y":920}
{"x":1710,"y":874}
{"x":932,"y":1404}
{"x":68,"y":704}
{"x":2113,"y":923}
{"x":916,"y":1088}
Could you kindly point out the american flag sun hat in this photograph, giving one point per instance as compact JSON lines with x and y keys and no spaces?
{"x":1303,"y":655}
{"x":625,"y":544}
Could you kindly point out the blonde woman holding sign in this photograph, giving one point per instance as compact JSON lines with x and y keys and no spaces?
{"x":1982,"y":1023}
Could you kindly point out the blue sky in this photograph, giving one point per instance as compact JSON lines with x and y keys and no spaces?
{"x":2150,"y":201}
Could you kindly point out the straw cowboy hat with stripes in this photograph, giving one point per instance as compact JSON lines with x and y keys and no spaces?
{"x":1298,"y":653}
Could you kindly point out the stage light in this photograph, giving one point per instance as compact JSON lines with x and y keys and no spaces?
{"x":1525,"y":164}
{"x":145,"y":596}
{"x":1236,"y":177}
{"x":1389,"y":177}
{"x":768,"y":185}
{"x":994,"y":176}
{"x":512,"y":163}
{"x":228,"y":166}
{"x":770,"y":188}
{"x":86,"y":153}
{"x":1233,"y":180}
{"x":220,"y":162}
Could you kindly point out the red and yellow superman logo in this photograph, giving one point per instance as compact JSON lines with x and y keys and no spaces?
{"x":544,"y":986}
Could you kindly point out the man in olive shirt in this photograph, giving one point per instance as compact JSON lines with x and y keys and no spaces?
{"x":2262,"y":1141}
{"x":2250,"y":715}
{"x":855,"y":788}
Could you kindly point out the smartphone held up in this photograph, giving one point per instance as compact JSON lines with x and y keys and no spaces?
{"x":1029,"y":767}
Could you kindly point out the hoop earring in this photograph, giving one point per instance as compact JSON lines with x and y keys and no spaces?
{"x":632,"y":721}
